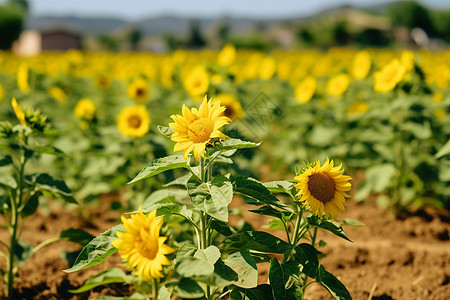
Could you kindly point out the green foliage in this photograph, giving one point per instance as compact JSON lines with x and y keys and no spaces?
{"x":11,"y":25}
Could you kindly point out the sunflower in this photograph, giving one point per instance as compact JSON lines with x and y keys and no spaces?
{"x":2,"y":92}
{"x":142,"y":246}
{"x":361,"y":64}
{"x":18,"y":111}
{"x":389,"y":76}
{"x":85,"y":109}
{"x":58,"y":93}
{"x":103,"y":81}
{"x":227,"y":55}
{"x":323,"y":188}
{"x":358,"y":107}
{"x":196,"y":128}
{"x":306,"y":89}
{"x":22,"y":78}
{"x":134,"y":121}
{"x":139,"y":90}
{"x":234,"y":109}
{"x":197,"y":82}
{"x":338,"y":84}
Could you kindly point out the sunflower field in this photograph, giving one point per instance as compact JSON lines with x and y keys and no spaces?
{"x":175,"y":151}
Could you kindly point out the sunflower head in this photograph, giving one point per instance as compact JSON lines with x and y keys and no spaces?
{"x":139,"y":90}
{"x":197,"y":82}
{"x":227,"y":55}
{"x":197,"y":128}
{"x":85,"y":109}
{"x":389,"y":76}
{"x":361,"y":64}
{"x":338,"y":84}
{"x":134,"y":121}
{"x":234,"y":109}
{"x":142,"y":246}
{"x":323,"y":188}
{"x":58,"y":93}
{"x":103,"y":81}
{"x":22,"y":78}
{"x":306,"y":89}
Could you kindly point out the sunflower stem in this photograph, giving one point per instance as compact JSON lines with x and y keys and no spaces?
{"x":155,"y":288}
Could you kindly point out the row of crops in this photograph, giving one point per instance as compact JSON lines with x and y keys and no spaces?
{"x":85,"y":124}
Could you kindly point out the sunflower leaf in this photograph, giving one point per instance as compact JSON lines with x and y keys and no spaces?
{"x":97,"y":250}
{"x":313,"y":220}
{"x":109,"y":276}
{"x":160,"y":165}
{"x":281,"y":186}
{"x":188,"y":289}
{"x":230,"y":144}
{"x":333,"y":285}
{"x":444,"y":150}
{"x":280,"y":275}
{"x":306,"y":255}
{"x":167,"y":131}
{"x":261,"y":292}
{"x":254,"y":191}
{"x":243,"y":264}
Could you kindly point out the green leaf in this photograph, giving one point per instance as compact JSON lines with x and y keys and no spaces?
{"x":109,"y":276}
{"x":164,"y":293}
{"x":23,"y":252}
{"x":77,"y":236}
{"x":221,"y":227}
{"x":254,"y":191}
{"x":281,"y":186}
{"x":8,"y":181}
{"x":135,"y":296}
{"x":270,"y":211}
{"x":48,"y":183}
{"x":188,"y":289}
{"x":190,"y":266}
{"x":31,"y":205}
{"x":243,"y":264}
{"x":165,"y":195}
{"x":51,"y":150}
{"x":306,"y":255}
{"x":445,"y":150}
{"x":186,"y":250}
{"x":210,"y":254}
{"x":230,"y":144}
{"x":211,"y":197}
{"x":333,"y":285}
{"x":313,"y":220}
{"x":160,"y":165}
{"x":164,"y":208}
{"x":165,"y":130}
{"x":265,"y":242}
{"x":282,"y":274}
{"x":380,"y":176}
{"x":352,"y":222}
{"x":223,"y":275}
{"x":5,"y":160}
{"x":97,"y":250}
{"x":261,"y":292}
{"x":182,"y":180}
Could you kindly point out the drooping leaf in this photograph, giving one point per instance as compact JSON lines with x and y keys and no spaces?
{"x":223,"y":275}
{"x":23,"y":252}
{"x":352,"y":222}
{"x":31,"y":205}
{"x":77,"y":236}
{"x":243,"y":264}
{"x":255,"y":191}
{"x":211,"y":197}
{"x":280,"y":275}
{"x":113,"y":275}
{"x":165,"y":130}
{"x":8,"y":181}
{"x":221,"y":227}
{"x":270,"y":211}
{"x":265,"y":242}
{"x":164,"y":293}
{"x":306,"y":255}
{"x":333,"y":285}
{"x":97,"y":250}
{"x":281,"y":186}
{"x":160,"y":165}
{"x":327,"y":225}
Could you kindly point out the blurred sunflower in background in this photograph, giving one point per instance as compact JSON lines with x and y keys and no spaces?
{"x":142,"y":246}
{"x":196,"y":82}
{"x":103,"y":81}
{"x":196,"y":128}
{"x":227,"y":55}
{"x":362,"y":64}
{"x":22,"y":78}
{"x":337,"y":85}
{"x":323,"y":188}
{"x":134,"y":121}
{"x":306,"y":89}
{"x":85,"y":109}
{"x":234,"y":109}
{"x":139,"y":90}
{"x":2,"y":92}
{"x":389,"y":76}
{"x":58,"y":93}
{"x":358,"y":107}
{"x":18,"y":111}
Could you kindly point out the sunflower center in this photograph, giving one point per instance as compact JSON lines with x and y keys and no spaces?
{"x":140,"y":92}
{"x":200,"y":130}
{"x":197,"y":83}
{"x":147,"y":247}
{"x":229,"y":112}
{"x":321,"y":186}
{"x":134,"y":121}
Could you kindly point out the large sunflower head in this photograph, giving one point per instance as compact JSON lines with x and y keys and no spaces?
{"x":139,"y":90}
{"x":196,"y":128}
{"x":142,"y":246}
{"x":323,"y":188}
{"x":134,"y":121}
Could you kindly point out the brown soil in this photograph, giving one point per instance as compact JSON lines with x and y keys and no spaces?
{"x":390,"y":258}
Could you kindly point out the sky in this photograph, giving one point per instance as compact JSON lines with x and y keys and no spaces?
{"x":137,"y":9}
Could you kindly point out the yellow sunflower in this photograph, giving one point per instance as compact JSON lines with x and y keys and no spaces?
{"x":134,"y":121}
{"x":337,"y":85}
{"x":58,"y":93}
{"x":142,"y":246}
{"x":361,"y":64}
{"x":18,"y":111}
{"x":197,"y":82}
{"x":103,"y":81}
{"x":306,"y":89}
{"x":22,"y":78}
{"x":2,"y":92}
{"x":196,"y":128}
{"x":227,"y":55}
{"x":358,"y":107}
{"x":389,"y":76}
{"x":234,"y":109}
{"x":85,"y":109}
{"x":139,"y":90}
{"x":323,"y":188}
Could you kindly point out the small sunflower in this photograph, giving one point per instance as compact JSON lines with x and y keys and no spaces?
{"x":85,"y":109}
{"x":196,"y":128}
{"x":22,"y":78}
{"x":142,"y":246}
{"x":134,"y":121}
{"x":358,"y":107}
{"x":337,"y":85}
{"x":323,"y":188}
{"x":58,"y":93}
{"x":139,"y":90}
{"x":306,"y":89}
{"x":227,"y":55}
{"x":197,"y":82}
{"x":234,"y":109}
{"x":18,"y":111}
{"x":2,"y":92}
{"x":361,"y":64}
{"x":103,"y":81}
{"x":389,"y":76}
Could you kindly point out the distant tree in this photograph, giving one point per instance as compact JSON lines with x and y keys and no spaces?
{"x":172,"y":42}
{"x":372,"y":37}
{"x":340,"y":33}
{"x":135,"y":37}
{"x":411,"y":14}
{"x":23,"y":4}
{"x":109,"y":42}
{"x":11,"y":25}
{"x":195,"y":39}
{"x":223,"y":31}
{"x":442,"y":24}
{"x":305,"y":36}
